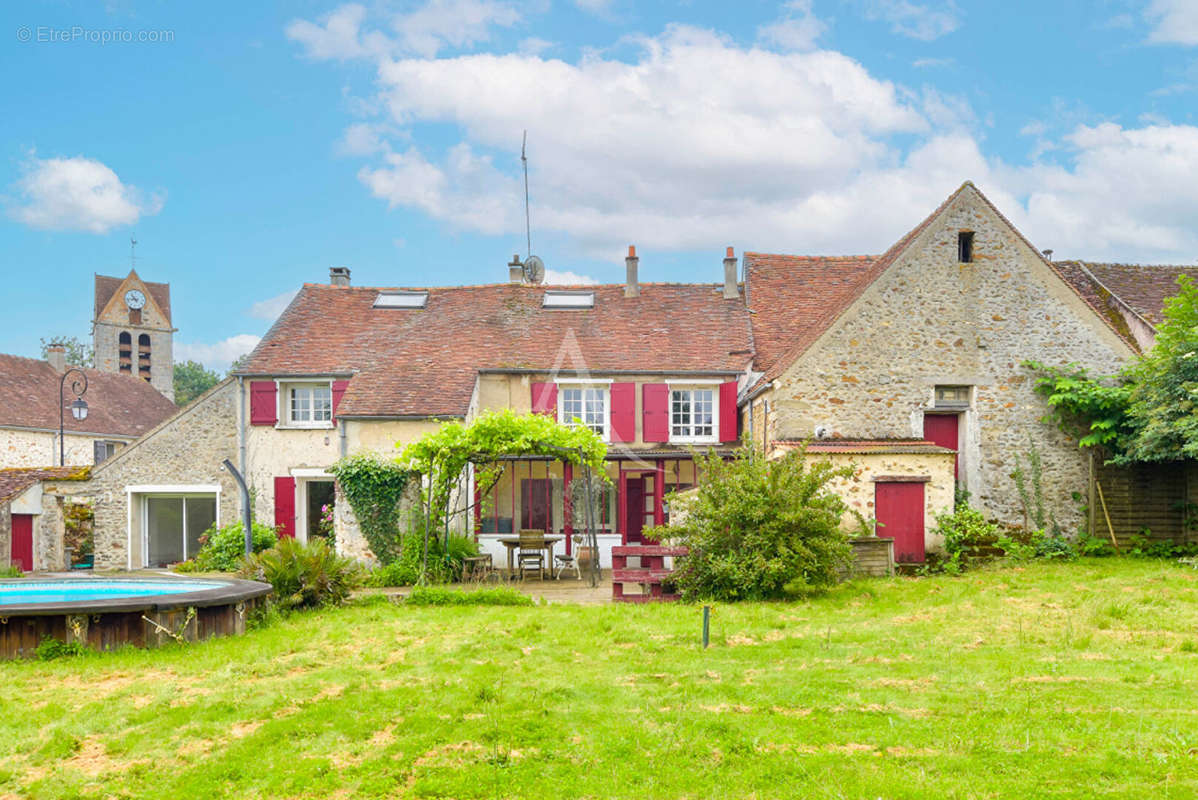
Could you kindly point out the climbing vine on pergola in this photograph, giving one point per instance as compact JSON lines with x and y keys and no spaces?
{"x":442,"y":457}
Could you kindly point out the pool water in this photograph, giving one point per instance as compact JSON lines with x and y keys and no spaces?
{"x":71,"y":591}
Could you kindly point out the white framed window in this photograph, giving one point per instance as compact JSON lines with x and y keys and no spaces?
{"x":309,"y":405}
{"x":585,"y":405}
{"x":693,"y":414}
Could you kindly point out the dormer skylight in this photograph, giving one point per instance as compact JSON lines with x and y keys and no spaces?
{"x":401,"y":300}
{"x":567,"y":299}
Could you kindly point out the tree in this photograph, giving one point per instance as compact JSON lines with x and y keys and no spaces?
{"x":239,"y":362}
{"x":1164,"y":396}
{"x":191,"y":381}
{"x":79,"y":353}
{"x":761,"y":529}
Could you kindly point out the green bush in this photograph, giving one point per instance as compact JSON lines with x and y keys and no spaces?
{"x":305,"y":575}
{"x":444,"y":564}
{"x":440,"y":596}
{"x":50,"y":648}
{"x":222,"y":549}
{"x":965,"y":532}
{"x":1021,"y":545}
{"x":11,"y":571}
{"x":761,"y":529}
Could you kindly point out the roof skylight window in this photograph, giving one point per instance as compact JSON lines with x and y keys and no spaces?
{"x":401,"y":300}
{"x":560,"y":299}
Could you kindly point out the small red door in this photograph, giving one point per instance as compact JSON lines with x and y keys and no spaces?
{"x":22,"y":541}
{"x":898,"y":507}
{"x":941,"y":429}
{"x":634,"y":488}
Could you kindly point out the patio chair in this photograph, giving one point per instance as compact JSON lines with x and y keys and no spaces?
{"x":567,"y":561}
{"x":531,"y":554}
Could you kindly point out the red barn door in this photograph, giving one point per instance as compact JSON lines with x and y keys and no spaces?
{"x":898,"y":506}
{"x":22,"y":541}
{"x":941,"y":429}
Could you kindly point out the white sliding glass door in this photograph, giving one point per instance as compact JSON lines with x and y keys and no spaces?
{"x":173,"y":525}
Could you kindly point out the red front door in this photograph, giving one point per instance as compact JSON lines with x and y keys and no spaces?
{"x":635,"y":508}
{"x":535,"y":497}
{"x":941,"y":429}
{"x":22,"y":541}
{"x":899,"y":509}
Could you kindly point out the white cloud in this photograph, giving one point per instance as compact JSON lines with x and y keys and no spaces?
{"x":554,"y":277}
{"x":918,"y":21}
{"x":78,"y":194}
{"x":933,"y":63}
{"x":270,"y":308}
{"x":424,"y":31}
{"x":594,"y":6}
{"x":688,"y":145}
{"x":1174,"y":21}
{"x":217,"y":356}
{"x":797,"y":29}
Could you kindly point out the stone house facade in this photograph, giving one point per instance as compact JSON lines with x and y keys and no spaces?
{"x":905,"y":365}
{"x":927,"y":342}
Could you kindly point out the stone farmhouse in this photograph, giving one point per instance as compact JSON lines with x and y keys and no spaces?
{"x":905,"y":364}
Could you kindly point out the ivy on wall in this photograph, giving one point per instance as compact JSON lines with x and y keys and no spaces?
{"x":374,"y":487}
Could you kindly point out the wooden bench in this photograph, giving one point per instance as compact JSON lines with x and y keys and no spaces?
{"x":649,"y":576}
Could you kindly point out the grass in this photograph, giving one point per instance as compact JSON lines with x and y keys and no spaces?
{"x":1054,"y":680}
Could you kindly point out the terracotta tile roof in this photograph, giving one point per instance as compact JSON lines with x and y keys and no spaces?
{"x":106,"y":285}
{"x":868,"y":446}
{"x":117,"y":405}
{"x":790,"y":295}
{"x":13,"y":481}
{"x":424,"y":362}
{"x":1143,"y":287}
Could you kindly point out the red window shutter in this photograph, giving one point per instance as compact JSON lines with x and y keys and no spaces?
{"x":338,"y":392}
{"x":655,"y":410}
{"x":264,"y":403}
{"x":544,"y":399}
{"x":285,"y":506}
{"x":623,"y":412}
{"x":728,"y":415}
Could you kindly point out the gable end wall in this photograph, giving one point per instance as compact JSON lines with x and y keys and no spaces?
{"x":930,"y":320}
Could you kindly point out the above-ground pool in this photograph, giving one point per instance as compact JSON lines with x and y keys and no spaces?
{"x":104,"y":613}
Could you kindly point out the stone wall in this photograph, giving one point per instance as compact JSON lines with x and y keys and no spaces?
{"x":5,"y":535}
{"x":186,"y":450}
{"x":930,"y":321}
{"x":25,"y":448}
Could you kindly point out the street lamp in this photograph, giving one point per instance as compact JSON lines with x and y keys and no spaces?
{"x":78,"y":407}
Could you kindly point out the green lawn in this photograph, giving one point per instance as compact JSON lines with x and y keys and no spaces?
{"x":1057,"y":680}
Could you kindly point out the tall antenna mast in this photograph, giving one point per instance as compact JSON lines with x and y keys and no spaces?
{"x":132,"y":253}
{"x":527,"y":218}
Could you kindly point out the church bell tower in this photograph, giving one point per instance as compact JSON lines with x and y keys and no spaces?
{"x":132,"y":332}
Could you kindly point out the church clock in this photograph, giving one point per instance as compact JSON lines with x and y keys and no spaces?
{"x":135,"y":299}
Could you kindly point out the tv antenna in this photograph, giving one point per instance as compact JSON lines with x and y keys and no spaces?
{"x":132,"y":253}
{"x":527,"y":216}
{"x":533,"y":266}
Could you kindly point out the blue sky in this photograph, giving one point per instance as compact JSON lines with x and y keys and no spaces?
{"x":249,"y":149}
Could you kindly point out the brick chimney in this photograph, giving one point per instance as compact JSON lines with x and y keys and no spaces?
{"x":339,"y":276}
{"x":731,"y":288}
{"x":56,"y":354}
{"x":631,"y":287}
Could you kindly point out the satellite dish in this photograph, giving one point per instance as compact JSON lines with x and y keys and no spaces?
{"x":534,"y":269}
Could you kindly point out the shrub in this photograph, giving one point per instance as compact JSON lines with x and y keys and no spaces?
{"x":50,"y":648}
{"x":1022,"y":545}
{"x":222,"y":549}
{"x":761,"y":529}
{"x":444,"y":564}
{"x":965,"y":533}
{"x":305,"y":575}
{"x":11,"y":571}
{"x":440,"y":596}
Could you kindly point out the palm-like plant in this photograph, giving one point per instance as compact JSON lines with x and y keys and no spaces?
{"x":305,"y":575}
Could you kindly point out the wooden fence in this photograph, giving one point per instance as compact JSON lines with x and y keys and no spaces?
{"x":1153,"y":500}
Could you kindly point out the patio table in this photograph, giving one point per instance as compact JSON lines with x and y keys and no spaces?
{"x":512,"y":542}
